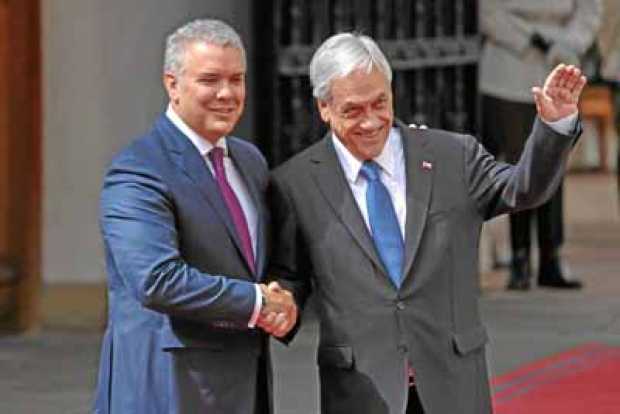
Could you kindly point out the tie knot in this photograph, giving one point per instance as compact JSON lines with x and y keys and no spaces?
{"x":370,"y":170}
{"x":216,"y":155}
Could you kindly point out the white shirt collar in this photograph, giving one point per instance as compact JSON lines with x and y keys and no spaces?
{"x":203,"y":145}
{"x":387,"y":159}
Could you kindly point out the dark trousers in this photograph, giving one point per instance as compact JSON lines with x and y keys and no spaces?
{"x":506,"y":126}
{"x":413,"y":403}
{"x":264,"y":387}
{"x":195,"y":390}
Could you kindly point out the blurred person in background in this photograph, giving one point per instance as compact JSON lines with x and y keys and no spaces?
{"x":608,"y":42}
{"x":524,"y":40}
{"x":608,"y":45}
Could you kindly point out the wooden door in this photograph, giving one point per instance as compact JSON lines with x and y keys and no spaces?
{"x":20,"y":157}
{"x":4,"y":148}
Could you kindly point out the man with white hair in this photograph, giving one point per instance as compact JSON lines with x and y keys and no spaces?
{"x":184,"y":227}
{"x":382,"y":223}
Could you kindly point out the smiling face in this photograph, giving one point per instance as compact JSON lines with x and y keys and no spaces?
{"x":209,"y":93}
{"x":360,"y":112}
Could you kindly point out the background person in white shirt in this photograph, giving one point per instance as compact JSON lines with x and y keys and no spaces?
{"x":524,"y":40}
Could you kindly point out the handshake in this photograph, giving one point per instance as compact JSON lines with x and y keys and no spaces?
{"x":278,"y":314}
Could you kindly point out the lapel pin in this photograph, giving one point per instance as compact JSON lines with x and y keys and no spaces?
{"x":427,"y":166}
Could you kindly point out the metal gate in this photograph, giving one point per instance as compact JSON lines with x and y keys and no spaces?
{"x":432,"y":45}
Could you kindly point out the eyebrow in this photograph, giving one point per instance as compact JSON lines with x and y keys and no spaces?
{"x":381,"y":96}
{"x":219,"y":74}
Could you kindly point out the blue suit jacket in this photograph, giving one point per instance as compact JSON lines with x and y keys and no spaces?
{"x":177,"y":279}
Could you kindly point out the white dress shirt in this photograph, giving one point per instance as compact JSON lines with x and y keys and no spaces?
{"x":393,"y":176}
{"x":236,"y":182}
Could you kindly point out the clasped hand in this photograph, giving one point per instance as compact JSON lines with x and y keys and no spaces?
{"x":279,"y":312}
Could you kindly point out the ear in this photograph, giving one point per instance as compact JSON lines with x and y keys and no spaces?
{"x":324,"y":110}
{"x":171,"y":83}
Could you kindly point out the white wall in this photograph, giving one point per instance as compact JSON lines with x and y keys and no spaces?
{"x":102,"y":86}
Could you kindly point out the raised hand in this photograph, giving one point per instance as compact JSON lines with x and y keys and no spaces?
{"x":279,"y":312}
{"x":559,"y":96}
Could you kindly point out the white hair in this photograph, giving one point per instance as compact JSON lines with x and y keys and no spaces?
{"x":342,"y":54}
{"x":205,"y":30}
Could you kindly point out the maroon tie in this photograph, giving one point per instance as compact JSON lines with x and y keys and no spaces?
{"x":216,"y":155}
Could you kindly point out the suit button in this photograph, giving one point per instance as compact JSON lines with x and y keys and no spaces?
{"x":400,"y":305}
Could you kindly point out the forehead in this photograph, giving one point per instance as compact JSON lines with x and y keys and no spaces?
{"x":208,"y":57}
{"x":360,"y":86}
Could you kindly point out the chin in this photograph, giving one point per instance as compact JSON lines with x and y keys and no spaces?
{"x":375,"y":151}
{"x":222,"y":128}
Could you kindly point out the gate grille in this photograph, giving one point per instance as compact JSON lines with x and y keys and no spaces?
{"x":432,"y":45}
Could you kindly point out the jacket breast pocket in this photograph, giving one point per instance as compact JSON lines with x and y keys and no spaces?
{"x":470,"y":341}
{"x":335,"y":357}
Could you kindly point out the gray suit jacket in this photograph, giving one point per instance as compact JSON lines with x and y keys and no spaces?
{"x":368,"y":328}
{"x":180,"y":292}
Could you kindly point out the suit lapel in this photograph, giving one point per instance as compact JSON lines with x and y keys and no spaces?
{"x":185,"y":155}
{"x":245,"y":164}
{"x":330,"y":179}
{"x":419,"y":165}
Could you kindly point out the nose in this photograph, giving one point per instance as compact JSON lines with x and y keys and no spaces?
{"x":224,"y":91}
{"x":371,"y":122}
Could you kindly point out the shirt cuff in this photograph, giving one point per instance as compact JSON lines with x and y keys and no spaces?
{"x":258,"y":304}
{"x":564,"y":126}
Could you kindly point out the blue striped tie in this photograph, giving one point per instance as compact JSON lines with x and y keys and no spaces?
{"x":383,"y":223}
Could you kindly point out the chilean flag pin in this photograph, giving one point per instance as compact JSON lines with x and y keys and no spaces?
{"x":427,"y":166}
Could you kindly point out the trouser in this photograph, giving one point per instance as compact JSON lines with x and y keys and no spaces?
{"x":506,"y":126}
{"x":413,"y":402}
{"x":208,"y":381}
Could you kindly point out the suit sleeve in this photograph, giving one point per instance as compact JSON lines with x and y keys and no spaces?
{"x":290,"y":264}
{"x":498,"y":188}
{"x":138,"y":225}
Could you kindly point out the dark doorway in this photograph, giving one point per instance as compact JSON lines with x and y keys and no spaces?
{"x":433,"y":46}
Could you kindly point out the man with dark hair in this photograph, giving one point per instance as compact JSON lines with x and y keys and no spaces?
{"x":185,"y":226}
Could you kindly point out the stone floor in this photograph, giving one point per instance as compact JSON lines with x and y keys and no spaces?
{"x":54,"y":371}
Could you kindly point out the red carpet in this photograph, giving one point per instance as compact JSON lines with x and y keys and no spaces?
{"x":583,"y":380}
